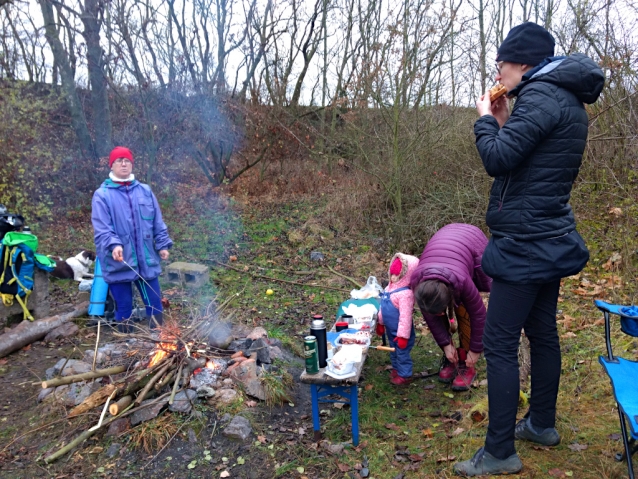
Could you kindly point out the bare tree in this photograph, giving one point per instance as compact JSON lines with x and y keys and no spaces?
{"x":78,"y":119}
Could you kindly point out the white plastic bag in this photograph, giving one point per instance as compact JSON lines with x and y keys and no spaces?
{"x":372,"y":289}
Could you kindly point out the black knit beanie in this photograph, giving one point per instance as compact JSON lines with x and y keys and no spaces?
{"x":528,"y":44}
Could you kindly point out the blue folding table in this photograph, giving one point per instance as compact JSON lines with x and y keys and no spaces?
{"x":322,"y":385}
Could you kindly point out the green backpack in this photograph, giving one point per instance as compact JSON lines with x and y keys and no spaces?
{"x":18,"y":262}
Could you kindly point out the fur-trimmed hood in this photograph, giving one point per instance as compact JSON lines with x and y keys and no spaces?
{"x":409,"y":264}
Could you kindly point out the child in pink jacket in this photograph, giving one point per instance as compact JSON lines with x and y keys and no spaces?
{"x":395,"y":317}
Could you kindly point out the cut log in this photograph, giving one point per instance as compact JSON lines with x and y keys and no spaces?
{"x":96,"y":399}
{"x":28,"y":332}
{"x":76,"y":378}
{"x":120,"y":405}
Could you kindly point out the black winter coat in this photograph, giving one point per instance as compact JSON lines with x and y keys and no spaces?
{"x":535,"y":159}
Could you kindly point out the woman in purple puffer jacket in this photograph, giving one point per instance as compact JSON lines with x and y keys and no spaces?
{"x":446,"y":282}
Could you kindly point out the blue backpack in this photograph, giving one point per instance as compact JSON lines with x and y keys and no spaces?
{"x":18,"y":263}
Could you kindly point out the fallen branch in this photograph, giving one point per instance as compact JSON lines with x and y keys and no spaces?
{"x":28,"y":332}
{"x":94,"y":400}
{"x":120,"y":405}
{"x":152,"y":381}
{"x":76,"y":378}
{"x":270,"y":278}
{"x":87,"y":434}
{"x":344,"y":277}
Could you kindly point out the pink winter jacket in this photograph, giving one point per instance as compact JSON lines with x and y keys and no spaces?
{"x":403,"y":300}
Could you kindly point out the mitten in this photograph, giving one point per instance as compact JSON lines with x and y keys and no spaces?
{"x":380,"y":329}
{"x":402,"y":343}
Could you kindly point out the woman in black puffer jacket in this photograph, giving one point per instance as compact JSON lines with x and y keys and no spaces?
{"x":534,"y":155}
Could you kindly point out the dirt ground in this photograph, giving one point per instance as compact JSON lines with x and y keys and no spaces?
{"x":30,"y":431}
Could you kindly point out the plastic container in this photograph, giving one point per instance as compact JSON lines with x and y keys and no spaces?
{"x":341,"y":325}
{"x":346,"y":368}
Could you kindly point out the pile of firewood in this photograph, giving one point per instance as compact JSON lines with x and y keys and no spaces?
{"x":160,"y":368}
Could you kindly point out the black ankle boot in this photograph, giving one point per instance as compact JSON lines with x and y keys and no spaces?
{"x":156,"y":320}
{"x":124,"y":326}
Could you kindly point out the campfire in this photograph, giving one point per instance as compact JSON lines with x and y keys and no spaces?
{"x":143,"y":373}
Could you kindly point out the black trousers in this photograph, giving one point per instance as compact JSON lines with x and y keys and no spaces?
{"x":514,"y":307}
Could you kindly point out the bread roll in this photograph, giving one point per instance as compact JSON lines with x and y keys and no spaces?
{"x":497,"y":91}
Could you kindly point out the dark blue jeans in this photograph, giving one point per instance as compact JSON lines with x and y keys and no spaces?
{"x":123,"y":296}
{"x":514,"y":307}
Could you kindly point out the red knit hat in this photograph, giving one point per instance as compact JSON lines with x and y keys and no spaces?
{"x":120,"y":152}
{"x":396,"y":267}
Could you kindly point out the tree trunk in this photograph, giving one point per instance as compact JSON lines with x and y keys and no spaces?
{"x":28,"y":332}
{"x":97,"y":78}
{"x":78,"y":121}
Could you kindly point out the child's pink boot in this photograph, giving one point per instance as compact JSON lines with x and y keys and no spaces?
{"x":465,"y":376}
{"x":447,"y":371}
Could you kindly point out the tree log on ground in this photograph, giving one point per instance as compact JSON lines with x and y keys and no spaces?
{"x":28,"y":332}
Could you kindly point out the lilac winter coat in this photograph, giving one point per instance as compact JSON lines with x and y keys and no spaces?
{"x":128,"y":216}
{"x":453,"y":256}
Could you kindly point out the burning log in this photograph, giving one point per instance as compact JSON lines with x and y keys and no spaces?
{"x":144,"y":392}
{"x":76,"y":378}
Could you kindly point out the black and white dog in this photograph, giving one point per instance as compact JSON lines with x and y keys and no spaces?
{"x":76,"y":268}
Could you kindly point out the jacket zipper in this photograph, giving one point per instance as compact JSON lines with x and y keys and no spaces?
{"x":503,"y":191}
{"x":130,"y":204}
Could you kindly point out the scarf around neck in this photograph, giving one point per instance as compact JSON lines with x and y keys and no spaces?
{"x":122,"y":181}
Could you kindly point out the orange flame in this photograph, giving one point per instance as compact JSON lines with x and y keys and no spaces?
{"x":162,"y":351}
{"x":211,"y":365}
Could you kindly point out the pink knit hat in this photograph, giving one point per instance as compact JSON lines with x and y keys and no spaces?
{"x":396,"y":267}
{"x":120,"y":152}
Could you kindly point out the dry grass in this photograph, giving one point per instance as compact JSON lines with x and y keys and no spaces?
{"x":277,"y":386}
{"x":152,"y":435}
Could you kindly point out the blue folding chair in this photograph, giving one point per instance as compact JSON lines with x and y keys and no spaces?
{"x":624,"y":377}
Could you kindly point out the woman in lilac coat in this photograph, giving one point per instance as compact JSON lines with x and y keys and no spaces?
{"x":447,"y":281}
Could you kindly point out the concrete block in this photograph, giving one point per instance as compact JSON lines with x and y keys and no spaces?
{"x":190,"y":275}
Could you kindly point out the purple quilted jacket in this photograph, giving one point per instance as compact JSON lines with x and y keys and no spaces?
{"x":453,"y":256}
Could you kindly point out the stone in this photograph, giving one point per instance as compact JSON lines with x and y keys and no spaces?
{"x":86,"y":391}
{"x":255,"y":388}
{"x":276,"y":353}
{"x":260,"y":347}
{"x":205,"y":377}
{"x":274,"y":342}
{"x":316,"y":256}
{"x":113,"y":450}
{"x":220,"y":335}
{"x":183,"y":401}
{"x":149,"y":412}
{"x":245,"y":374}
{"x":118,"y":426}
{"x":205,"y":392}
{"x":188,"y":274}
{"x":225,"y":396}
{"x":257,"y":333}
{"x":71,"y":367}
{"x":192,"y":437}
{"x":45,"y":393}
{"x":240,"y":345}
{"x":239,"y":428}
{"x":227,"y":382}
{"x":334,"y":449}
{"x":65,"y":331}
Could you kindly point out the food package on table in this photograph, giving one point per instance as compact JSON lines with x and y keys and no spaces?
{"x":360,"y":340}
{"x":372,"y":289}
{"x":361,"y":314}
{"x":347,"y":354}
